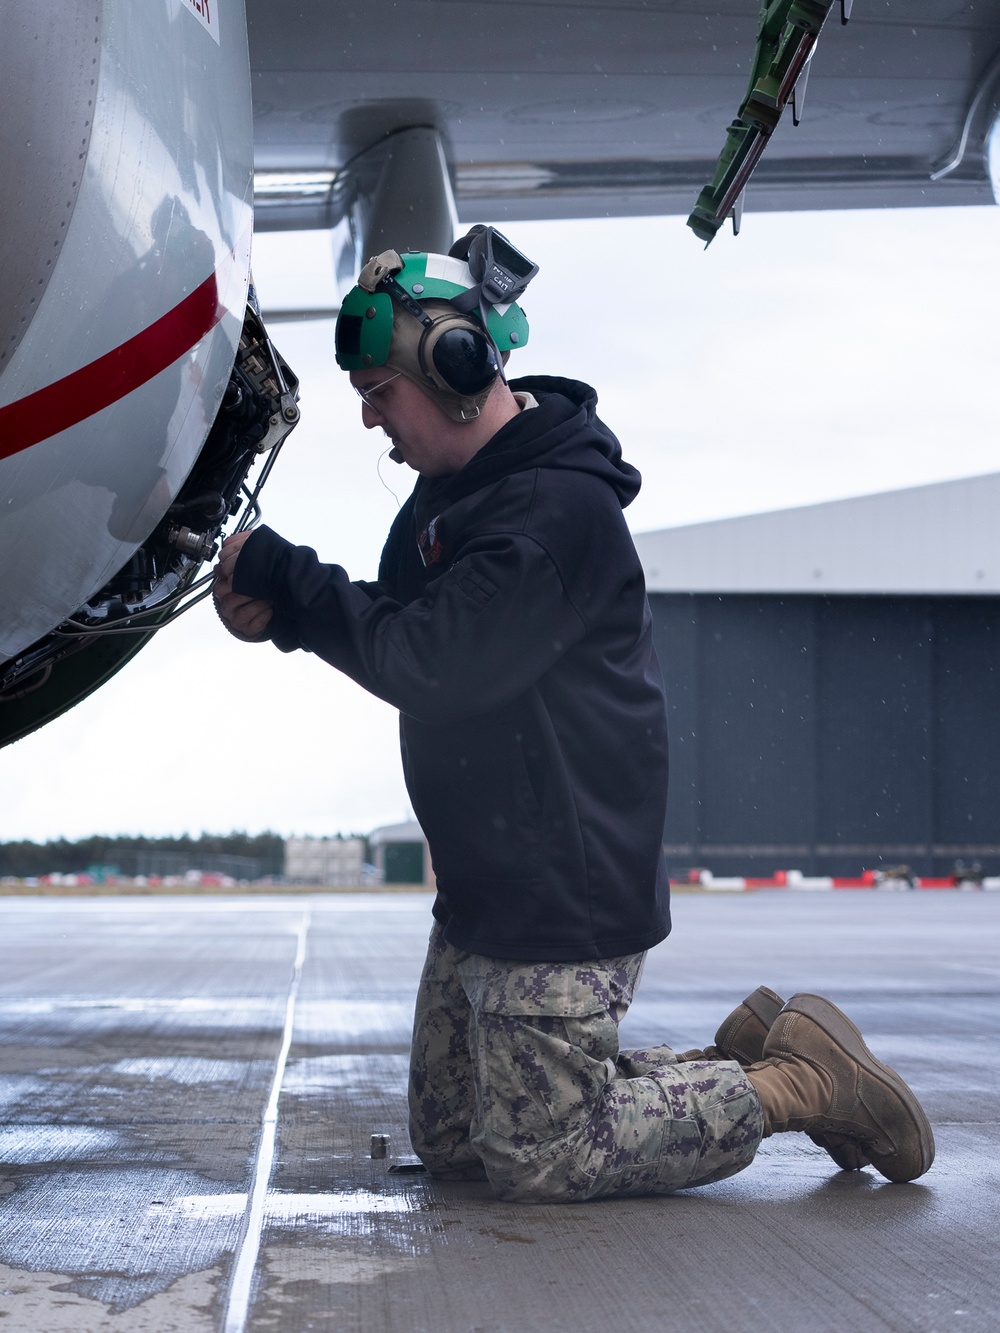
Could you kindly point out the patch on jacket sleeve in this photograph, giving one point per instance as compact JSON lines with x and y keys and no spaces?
{"x":430,"y":543}
{"x":480,"y":589}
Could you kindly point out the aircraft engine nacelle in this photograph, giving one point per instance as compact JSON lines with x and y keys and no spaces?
{"x":127,"y":168}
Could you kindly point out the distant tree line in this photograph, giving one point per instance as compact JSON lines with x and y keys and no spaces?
{"x":241,"y":855}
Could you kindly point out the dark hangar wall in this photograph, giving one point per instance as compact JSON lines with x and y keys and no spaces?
{"x":831,"y":733}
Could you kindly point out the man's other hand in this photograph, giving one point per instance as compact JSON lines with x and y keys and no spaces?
{"x":246,"y":618}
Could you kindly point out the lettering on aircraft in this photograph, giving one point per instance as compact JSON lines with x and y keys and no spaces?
{"x":205,"y":12}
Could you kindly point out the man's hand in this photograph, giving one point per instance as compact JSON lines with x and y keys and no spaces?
{"x":245,"y":618}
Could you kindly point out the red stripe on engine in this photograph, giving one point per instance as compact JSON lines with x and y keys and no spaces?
{"x":111,"y":377}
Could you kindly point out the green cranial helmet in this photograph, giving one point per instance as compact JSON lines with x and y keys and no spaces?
{"x":440,"y":320}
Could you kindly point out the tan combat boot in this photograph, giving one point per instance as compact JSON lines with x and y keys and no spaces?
{"x":741,"y":1037}
{"x":818,"y":1075}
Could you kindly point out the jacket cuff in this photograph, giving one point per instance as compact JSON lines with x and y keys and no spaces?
{"x":260,"y":564}
{"x":259,"y":571}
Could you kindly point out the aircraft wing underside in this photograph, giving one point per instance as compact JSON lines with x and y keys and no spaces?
{"x":568,"y":109}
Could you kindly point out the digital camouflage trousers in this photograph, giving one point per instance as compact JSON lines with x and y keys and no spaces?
{"x":516,"y":1073}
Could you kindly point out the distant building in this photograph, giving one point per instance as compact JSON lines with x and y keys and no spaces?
{"x":337,"y":863}
{"x":833,"y":683}
{"x":400,"y":854}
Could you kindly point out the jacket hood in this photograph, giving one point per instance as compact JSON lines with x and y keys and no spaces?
{"x":564,"y":431}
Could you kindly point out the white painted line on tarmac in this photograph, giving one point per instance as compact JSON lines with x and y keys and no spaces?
{"x":238,"y":1306}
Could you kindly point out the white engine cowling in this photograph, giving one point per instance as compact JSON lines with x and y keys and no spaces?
{"x":124,"y":257}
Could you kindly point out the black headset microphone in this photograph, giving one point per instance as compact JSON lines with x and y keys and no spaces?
{"x":464,"y":356}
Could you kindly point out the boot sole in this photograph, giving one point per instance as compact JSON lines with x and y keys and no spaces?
{"x":839,"y":1028}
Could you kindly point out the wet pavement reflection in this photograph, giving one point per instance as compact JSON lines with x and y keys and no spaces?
{"x":140,"y":1040}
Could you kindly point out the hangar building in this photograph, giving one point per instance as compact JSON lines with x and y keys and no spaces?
{"x":833,"y":681}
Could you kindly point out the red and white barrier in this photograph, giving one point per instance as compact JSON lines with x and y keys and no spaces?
{"x":869,"y":879}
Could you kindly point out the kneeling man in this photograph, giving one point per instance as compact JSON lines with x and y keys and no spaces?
{"x":509,"y":625}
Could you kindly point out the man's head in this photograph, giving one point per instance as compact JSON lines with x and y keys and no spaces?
{"x":422,"y":435}
{"x":447,"y":323}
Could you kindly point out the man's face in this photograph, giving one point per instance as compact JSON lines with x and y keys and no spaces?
{"x":417,"y":427}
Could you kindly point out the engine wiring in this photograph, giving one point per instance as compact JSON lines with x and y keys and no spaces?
{"x":161,"y":582}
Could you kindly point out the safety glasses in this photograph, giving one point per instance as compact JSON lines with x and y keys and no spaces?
{"x":366,"y":395}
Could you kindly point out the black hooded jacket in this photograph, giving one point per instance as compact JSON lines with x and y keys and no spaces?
{"x":510,"y":627}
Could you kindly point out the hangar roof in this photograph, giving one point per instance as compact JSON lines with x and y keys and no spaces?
{"x":940,"y":538}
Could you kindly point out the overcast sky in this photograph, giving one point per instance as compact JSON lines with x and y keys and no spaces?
{"x":814,"y":357}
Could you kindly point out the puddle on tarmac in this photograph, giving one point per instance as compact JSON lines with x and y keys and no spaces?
{"x":292,"y":1209}
{"x":186,"y":1069}
{"x":378,"y":1021}
{"x":21,"y":1145}
{"x":381,"y":1072}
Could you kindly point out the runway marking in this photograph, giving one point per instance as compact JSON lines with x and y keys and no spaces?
{"x":238,"y":1305}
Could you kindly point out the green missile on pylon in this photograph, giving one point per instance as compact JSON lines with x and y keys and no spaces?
{"x":786,"y":37}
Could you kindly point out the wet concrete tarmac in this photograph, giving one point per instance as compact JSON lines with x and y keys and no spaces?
{"x":156,"y":1054}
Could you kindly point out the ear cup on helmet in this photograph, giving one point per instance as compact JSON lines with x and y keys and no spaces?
{"x":466,"y":359}
{"x":454,"y":351}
